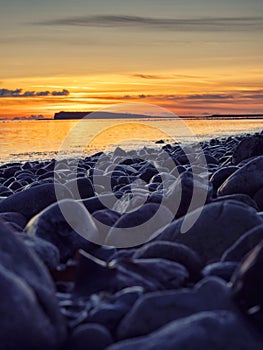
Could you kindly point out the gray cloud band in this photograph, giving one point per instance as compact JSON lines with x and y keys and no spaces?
{"x":168,"y":24}
{"x":143,"y":221}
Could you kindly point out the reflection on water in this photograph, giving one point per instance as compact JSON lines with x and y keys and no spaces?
{"x":43,"y":139}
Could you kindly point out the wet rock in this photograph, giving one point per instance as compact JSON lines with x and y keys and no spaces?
{"x":46,"y":251}
{"x":15,"y":218}
{"x":136,"y":227}
{"x":247,"y":285}
{"x":22,"y":263}
{"x":219,"y":177}
{"x":105,"y":219}
{"x":67,"y":225}
{"x":25,"y":325}
{"x":223,"y":270}
{"x":244,"y":245}
{"x":154,"y":310}
{"x":249,"y":147}
{"x":172,"y":251}
{"x":258,"y":198}
{"x":151,"y":274}
{"x":213,"y":228}
{"x":91,"y":335}
{"x":30,"y":202}
{"x":180,"y":195}
{"x":81,"y":188}
{"x":206,"y":330}
{"x":245,"y":198}
{"x":248,"y":179}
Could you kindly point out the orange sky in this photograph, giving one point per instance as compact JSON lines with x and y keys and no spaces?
{"x":192,"y":57}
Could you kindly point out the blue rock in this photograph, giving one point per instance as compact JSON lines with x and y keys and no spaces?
{"x":30,"y":202}
{"x":92,"y":336}
{"x":244,"y":245}
{"x":215,"y":228}
{"x":21,"y":262}
{"x":67,"y":225}
{"x":154,"y":310}
{"x":206,"y":330}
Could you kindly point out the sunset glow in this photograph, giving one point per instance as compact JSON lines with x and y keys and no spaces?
{"x":193,"y":58}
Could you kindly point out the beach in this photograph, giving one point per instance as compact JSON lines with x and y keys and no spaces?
{"x":158,"y":246}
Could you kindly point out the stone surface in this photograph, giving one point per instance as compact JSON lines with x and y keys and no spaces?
{"x":30,"y":202}
{"x":21,"y":262}
{"x":172,"y":251}
{"x":67,"y":225}
{"x":89,"y":336}
{"x":218,"y":226}
{"x":207,"y":330}
{"x":248,"y":179}
{"x":249,"y":147}
{"x":244,"y":245}
{"x":154,"y":310}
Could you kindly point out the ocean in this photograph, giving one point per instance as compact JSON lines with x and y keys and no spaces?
{"x":22,"y":140}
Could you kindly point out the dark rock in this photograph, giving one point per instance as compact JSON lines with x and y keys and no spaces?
{"x":45,"y":250}
{"x":105,"y":219}
{"x":244,"y":245}
{"x":245,"y":198}
{"x":248,"y":179}
{"x":247,"y":284}
{"x":22,"y":263}
{"x":223,"y":270}
{"x":219,"y":177}
{"x":249,"y":147}
{"x":30,"y":202}
{"x":172,"y":251}
{"x":81,"y":188}
{"x":13,"y":217}
{"x":210,"y":230}
{"x":151,"y":274}
{"x":92,"y":336}
{"x":25,"y":325}
{"x":179,"y":197}
{"x":258,"y":198}
{"x":154,"y":310}
{"x":67,"y":225}
{"x":136,"y":227}
{"x":104,"y":201}
{"x":207,"y":330}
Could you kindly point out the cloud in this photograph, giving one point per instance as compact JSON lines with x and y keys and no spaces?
{"x":64,"y":92}
{"x":20,"y":93}
{"x":10,"y":93}
{"x":30,"y":117}
{"x":204,"y":24}
{"x":164,"y":76}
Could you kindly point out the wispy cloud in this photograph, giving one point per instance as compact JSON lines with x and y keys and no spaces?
{"x":169,"y":24}
{"x":164,"y":76}
{"x":20,"y":93}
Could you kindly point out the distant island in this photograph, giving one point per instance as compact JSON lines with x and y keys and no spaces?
{"x":110,"y":115}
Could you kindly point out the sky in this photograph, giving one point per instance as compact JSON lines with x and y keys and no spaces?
{"x":193,"y":57}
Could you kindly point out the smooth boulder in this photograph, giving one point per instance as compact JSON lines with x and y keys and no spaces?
{"x":213,"y":228}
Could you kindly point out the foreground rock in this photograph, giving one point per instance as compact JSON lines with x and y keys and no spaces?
{"x":30,"y":202}
{"x":249,"y":147}
{"x":247,"y":286}
{"x":218,"y":226}
{"x":207,"y":330}
{"x":154,"y":310}
{"x":27,"y":297}
{"x":64,"y":224}
{"x":248,"y":179}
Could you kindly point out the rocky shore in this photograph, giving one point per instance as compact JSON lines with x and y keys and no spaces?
{"x":83,"y":265}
